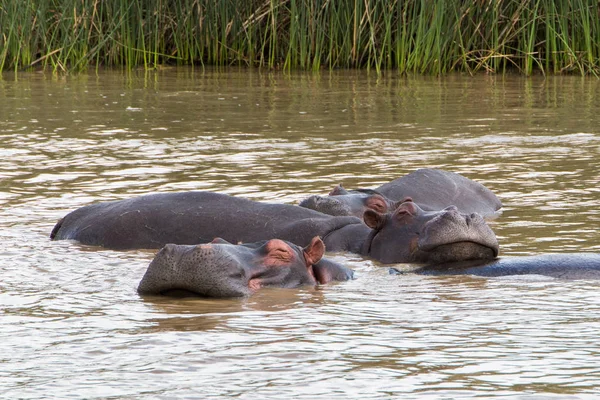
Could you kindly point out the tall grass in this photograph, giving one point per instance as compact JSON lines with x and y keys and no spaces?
{"x":422,"y":36}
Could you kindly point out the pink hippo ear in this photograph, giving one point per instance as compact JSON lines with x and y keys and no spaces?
{"x":338,"y":191}
{"x":279,"y":253}
{"x":407,"y":207}
{"x":404,"y":200}
{"x":374,"y":220}
{"x":377,"y":203}
{"x":314,"y":251}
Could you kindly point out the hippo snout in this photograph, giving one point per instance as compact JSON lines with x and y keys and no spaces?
{"x":205,"y":269}
{"x":453,"y":227}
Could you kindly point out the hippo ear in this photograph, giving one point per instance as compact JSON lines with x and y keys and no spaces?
{"x":338,"y":191}
{"x":407,"y":207}
{"x":219,"y":240}
{"x":378,"y":203}
{"x":374,"y":220}
{"x":314,"y":251}
{"x":404,"y":200}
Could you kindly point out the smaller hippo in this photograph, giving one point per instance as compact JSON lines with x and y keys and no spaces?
{"x":351,"y":202}
{"x":432,"y":189}
{"x":563,"y":266}
{"x":222,"y":269}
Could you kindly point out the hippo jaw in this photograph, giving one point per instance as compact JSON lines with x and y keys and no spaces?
{"x":452,"y":252}
{"x":452,"y":236}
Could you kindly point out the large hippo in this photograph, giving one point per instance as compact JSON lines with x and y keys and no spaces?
{"x":565,"y":266}
{"x":408,"y":235}
{"x":222,"y":269}
{"x":432,"y":189}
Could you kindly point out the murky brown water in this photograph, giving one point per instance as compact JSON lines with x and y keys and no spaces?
{"x":72,"y":324}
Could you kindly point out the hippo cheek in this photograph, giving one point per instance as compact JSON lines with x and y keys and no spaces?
{"x":282,"y":275}
{"x":392,"y":247}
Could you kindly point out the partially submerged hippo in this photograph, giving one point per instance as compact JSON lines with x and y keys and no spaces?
{"x":564,"y":266}
{"x":432,"y":189}
{"x":408,"y":235}
{"x":221,"y":269}
{"x":351,"y":202}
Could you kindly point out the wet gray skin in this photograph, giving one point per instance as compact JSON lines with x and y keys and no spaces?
{"x":350,"y":202}
{"x":152,"y":221}
{"x":561,"y":266}
{"x":430,"y":236}
{"x":432,"y":189}
{"x":221,"y":269}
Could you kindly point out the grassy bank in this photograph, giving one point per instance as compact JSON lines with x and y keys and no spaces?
{"x":422,"y":36}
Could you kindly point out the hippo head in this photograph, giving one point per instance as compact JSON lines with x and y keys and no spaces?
{"x":429,"y":236}
{"x":341,"y":202}
{"x":221,"y":269}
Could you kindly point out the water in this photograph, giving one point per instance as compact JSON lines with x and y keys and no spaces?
{"x":73,"y":326}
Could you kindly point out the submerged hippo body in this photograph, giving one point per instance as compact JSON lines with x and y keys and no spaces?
{"x":563,"y":266}
{"x":431,"y":189}
{"x":152,"y":221}
{"x":221,"y":269}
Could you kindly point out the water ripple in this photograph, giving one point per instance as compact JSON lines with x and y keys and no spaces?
{"x":72,"y":322}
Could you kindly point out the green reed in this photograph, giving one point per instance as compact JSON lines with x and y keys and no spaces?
{"x":409,"y":36}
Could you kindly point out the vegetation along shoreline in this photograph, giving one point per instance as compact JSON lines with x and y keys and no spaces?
{"x":414,"y":36}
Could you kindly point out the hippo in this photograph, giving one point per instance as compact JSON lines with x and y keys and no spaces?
{"x":151,"y":221}
{"x":351,"y":202}
{"x":222,"y":269}
{"x":561,"y":265}
{"x":432,"y":189}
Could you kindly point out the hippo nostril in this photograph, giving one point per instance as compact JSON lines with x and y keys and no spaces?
{"x":476,"y":217}
{"x":451,"y":208}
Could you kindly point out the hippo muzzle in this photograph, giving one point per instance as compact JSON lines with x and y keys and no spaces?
{"x":452,"y":235}
{"x":410,"y":234}
{"x":207,"y":270}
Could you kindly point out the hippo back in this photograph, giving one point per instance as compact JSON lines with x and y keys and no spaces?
{"x":435,"y":189}
{"x":154,"y":220}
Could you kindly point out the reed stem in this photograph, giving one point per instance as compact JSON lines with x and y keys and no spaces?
{"x":423,"y":36}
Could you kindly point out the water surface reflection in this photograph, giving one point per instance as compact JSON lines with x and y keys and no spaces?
{"x":72,"y":321}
